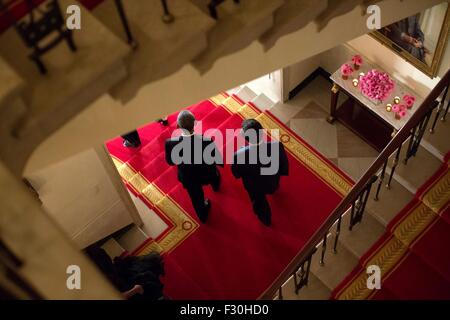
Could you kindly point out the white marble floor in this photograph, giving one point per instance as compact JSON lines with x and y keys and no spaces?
{"x":306,"y":114}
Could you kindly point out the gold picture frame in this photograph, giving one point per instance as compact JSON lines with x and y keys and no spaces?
{"x":425,"y":63}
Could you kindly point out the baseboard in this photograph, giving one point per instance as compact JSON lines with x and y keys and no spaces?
{"x":302,"y":85}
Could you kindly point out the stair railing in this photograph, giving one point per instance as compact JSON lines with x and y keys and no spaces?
{"x":356,"y":199}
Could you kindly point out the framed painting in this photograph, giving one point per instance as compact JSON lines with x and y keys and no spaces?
{"x":419,"y":39}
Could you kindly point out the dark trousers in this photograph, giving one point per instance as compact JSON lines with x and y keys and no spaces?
{"x":261,"y":206}
{"x":197,"y":196}
{"x":198,"y":201}
{"x":132,"y":138}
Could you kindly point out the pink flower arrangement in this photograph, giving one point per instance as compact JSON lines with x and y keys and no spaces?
{"x":357,"y":61}
{"x":409,"y":100}
{"x":399,"y":110}
{"x":346,"y":70}
{"x":376,"y":85}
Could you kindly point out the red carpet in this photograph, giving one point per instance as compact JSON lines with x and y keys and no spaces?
{"x":413,"y":254}
{"x":233,"y":256}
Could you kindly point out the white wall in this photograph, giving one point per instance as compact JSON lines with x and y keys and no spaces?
{"x":296,"y":73}
{"x":80,"y":196}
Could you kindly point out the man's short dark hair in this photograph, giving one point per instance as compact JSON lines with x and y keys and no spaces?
{"x":252,"y":130}
{"x":186,"y":120}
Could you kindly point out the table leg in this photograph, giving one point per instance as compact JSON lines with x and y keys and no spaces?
{"x":333,"y":103}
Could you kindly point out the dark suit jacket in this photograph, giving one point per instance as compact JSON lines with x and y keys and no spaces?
{"x":193,"y":169}
{"x":253,"y":180}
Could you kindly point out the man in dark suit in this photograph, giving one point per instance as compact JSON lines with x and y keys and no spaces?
{"x":260,"y":164}
{"x":197,"y":158}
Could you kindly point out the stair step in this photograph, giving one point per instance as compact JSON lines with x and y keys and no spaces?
{"x":132,"y":238}
{"x":390,"y":202}
{"x":238,"y":26}
{"x":315,"y":290}
{"x":162,"y":48}
{"x":362,"y":236}
{"x":284,"y":111}
{"x":113,"y":248}
{"x":263,"y":102}
{"x":337,"y":266}
{"x":85,"y":74}
{"x":290,"y":17}
{"x":418,"y":170}
{"x":246,"y":94}
{"x":438,"y":143}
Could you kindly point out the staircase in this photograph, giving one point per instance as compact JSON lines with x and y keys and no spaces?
{"x":104,"y":64}
{"x":345,"y":243}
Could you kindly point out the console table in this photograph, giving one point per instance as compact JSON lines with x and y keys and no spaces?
{"x":369,"y":120}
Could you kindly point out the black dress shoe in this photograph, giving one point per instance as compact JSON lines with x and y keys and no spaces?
{"x":128,"y":144}
{"x":207,"y":207}
{"x":216,"y":186}
{"x":266,"y":221}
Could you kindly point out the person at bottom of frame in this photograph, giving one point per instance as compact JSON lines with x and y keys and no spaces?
{"x":194,"y":172}
{"x":260,"y":176}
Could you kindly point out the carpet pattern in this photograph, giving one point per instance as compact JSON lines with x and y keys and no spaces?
{"x":413,"y":254}
{"x":232,"y":256}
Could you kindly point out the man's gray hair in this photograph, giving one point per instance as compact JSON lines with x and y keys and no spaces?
{"x":186,"y":120}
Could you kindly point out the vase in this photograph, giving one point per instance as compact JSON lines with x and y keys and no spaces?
{"x":397,"y":116}
{"x":356,"y":67}
{"x":344,"y":77}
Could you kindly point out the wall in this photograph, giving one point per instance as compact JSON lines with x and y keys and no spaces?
{"x":298,"y":72}
{"x":188,"y":86}
{"x":80,"y":195}
{"x":43,"y":247}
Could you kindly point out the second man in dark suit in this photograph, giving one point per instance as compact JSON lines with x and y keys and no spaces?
{"x":197,"y":158}
{"x":260,"y":164}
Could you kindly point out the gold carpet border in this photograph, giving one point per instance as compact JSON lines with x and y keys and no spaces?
{"x":217,"y":100}
{"x":168,"y":207}
{"x":319,"y":167}
{"x":438,"y":196}
{"x":389,"y":255}
{"x":405,"y":233}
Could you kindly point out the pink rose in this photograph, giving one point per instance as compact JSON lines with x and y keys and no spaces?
{"x":395,"y":108}
{"x":402,"y":113}
{"x":357,"y":60}
{"x":346,"y":69}
{"x":409,"y":100}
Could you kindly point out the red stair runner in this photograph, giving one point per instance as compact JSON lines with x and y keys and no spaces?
{"x":413,"y":254}
{"x":233,"y":255}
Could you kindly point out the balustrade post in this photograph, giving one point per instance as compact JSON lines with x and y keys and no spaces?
{"x":446,"y":111}
{"x":394,"y":165}
{"x":338,"y":232}
{"x":167,"y":16}
{"x":324,"y":248}
{"x":439,"y":109}
{"x":124,"y":21}
{"x":380,"y":181}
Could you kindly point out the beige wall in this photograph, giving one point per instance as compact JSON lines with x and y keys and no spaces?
{"x":82,"y":198}
{"x":102,"y":121}
{"x":296,"y":73}
{"x":43,"y":247}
